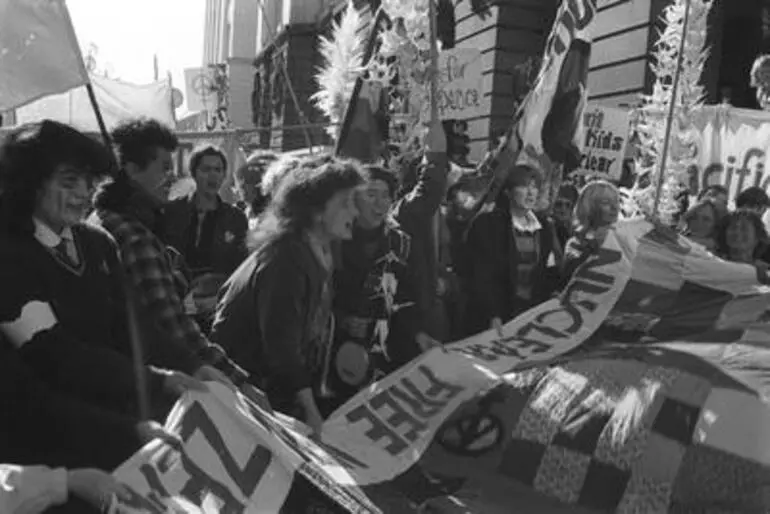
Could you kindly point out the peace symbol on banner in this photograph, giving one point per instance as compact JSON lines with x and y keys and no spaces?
{"x":474,"y":433}
{"x":203,"y":85}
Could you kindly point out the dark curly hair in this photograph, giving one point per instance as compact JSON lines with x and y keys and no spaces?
{"x":205,"y":150}
{"x":31,"y":154}
{"x":303,"y":193}
{"x":722,"y":247}
{"x":137,"y":141}
{"x":384,"y":174}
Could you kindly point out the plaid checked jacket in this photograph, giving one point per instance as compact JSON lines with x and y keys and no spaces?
{"x":176,"y":341}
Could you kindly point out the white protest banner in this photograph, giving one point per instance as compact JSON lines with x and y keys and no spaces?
{"x":389,"y":425}
{"x":235,"y":458}
{"x":731,"y":146}
{"x":118,"y":101}
{"x":605,"y":136}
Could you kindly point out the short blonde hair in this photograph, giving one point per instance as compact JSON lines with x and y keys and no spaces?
{"x":587,"y":201}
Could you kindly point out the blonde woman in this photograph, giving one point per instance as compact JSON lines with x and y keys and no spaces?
{"x":596,"y":211}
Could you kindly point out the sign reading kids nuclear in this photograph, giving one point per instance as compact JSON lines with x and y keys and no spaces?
{"x":605,"y":135}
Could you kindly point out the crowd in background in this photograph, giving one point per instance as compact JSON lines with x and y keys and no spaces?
{"x":326,"y":276}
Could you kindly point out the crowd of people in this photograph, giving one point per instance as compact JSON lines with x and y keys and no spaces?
{"x":328,"y":275}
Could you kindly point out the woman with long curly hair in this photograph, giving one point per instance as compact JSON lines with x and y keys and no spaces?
{"x":275,"y":311}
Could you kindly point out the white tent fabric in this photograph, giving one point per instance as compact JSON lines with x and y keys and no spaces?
{"x":117,"y":100}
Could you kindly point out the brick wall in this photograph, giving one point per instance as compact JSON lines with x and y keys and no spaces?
{"x":303,"y":61}
{"x":297,"y":45}
{"x":508,"y":33}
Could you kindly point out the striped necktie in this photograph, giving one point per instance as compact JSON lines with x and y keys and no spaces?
{"x":67,"y":251}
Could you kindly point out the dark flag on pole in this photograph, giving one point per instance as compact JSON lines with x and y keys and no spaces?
{"x":363,"y":134}
{"x":546,"y":129}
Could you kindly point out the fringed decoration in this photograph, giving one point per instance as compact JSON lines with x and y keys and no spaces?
{"x":342,"y":55}
{"x":404,"y":55}
{"x":760,"y":79}
{"x":639,"y":200}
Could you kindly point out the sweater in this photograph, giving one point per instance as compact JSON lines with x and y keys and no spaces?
{"x":493,"y":269}
{"x":69,"y":324}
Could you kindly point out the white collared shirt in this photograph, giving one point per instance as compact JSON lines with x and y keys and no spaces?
{"x":527,"y":223}
{"x":50,"y":239}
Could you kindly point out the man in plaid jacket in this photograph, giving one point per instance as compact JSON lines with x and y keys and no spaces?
{"x":129,"y":208}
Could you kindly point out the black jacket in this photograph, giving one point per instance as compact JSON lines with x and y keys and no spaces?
{"x":491,"y":268}
{"x":223,"y":246}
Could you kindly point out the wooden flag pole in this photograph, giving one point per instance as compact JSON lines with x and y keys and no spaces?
{"x":671,"y":107}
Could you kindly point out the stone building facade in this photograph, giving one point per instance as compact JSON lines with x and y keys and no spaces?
{"x":229,"y":42}
{"x":511,"y":36}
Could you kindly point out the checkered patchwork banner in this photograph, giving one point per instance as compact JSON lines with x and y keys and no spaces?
{"x":659,"y":428}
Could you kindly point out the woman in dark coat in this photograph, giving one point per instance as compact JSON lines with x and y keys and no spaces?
{"x":509,"y":248}
{"x":274,"y":313}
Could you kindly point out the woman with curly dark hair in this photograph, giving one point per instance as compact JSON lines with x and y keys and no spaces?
{"x":274,"y":313}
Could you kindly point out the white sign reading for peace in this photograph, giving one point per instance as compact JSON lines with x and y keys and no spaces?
{"x":459,"y":83}
{"x":605,"y":135}
{"x":460,"y":94}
